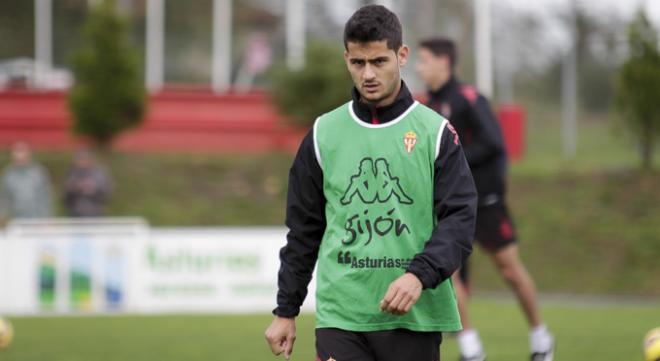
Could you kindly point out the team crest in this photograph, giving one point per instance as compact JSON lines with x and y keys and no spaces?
{"x":409,"y":141}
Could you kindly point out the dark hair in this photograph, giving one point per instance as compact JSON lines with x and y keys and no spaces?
{"x":374,"y":23}
{"x":441,"y":47}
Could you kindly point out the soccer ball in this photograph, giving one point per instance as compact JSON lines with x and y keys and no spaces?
{"x":6,"y":333}
{"x":652,"y":345}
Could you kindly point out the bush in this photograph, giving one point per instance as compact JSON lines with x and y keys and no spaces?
{"x":638,"y":88}
{"x":108,"y":96}
{"x":322,"y":85}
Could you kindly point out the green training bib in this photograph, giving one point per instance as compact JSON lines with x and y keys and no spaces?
{"x":378,"y":182}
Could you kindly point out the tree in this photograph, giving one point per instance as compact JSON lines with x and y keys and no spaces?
{"x":321,"y":86}
{"x":109,"y":95}
{"x":638,"y":88}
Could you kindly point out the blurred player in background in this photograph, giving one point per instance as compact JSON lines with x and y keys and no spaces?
{"x":380,"y":194}
{"x":88,"y":186}
{"x":471,"y":115}
{"x":25,"y":187}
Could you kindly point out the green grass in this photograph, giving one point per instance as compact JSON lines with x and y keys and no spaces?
{"x":188,"y":190}
{"x":590,"y":233}
{"x":588,"y":332}
{"x":603,"y":144}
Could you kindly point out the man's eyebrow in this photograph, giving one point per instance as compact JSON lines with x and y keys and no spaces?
{"x":380,"y":58}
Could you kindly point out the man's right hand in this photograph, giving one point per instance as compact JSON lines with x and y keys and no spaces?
{"x":280,"y":335}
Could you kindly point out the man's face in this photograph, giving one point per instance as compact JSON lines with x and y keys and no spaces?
{"x":375,"y":70}
{"x":432,"y":68}
{"x":84,"y":160}
{"x":20,"y":154}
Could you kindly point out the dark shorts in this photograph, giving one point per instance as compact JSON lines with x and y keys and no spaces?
{"x":391,"y":345}
{"x":494,"y":229}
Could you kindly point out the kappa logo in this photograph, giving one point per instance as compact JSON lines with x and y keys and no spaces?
{"x":374,"y":183}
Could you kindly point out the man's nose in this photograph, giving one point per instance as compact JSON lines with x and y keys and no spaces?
{"x":368,"y":73}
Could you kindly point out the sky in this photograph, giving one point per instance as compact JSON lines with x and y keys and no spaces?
{"x":556,"y":34}
{"x":625,"y":7}
{"x":342,"y":9}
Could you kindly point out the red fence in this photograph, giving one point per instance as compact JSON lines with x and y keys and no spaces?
{"x":175,"y":121}
{"x":186,"y":122}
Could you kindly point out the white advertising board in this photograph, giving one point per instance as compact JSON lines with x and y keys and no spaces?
{"x":120,"y":265}
{"x":229,"y":270}
{"x":59,"y":266}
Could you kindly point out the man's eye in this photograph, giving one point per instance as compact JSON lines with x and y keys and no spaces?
{"x":357,"y":62}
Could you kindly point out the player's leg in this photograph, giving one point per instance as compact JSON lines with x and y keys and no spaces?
{"x":501,"y":244}
{"x":498,"y":238}
{"x":462,"y":297}
{"x":336,"y":344}
{"x":464,"y":275}
{"x":402,"y":344}
{"x":510,"y":267}
{"x":469,"y":343}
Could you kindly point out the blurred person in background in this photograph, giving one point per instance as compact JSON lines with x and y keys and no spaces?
{"x":380,"y":194}
{"x":87,"y":188}
{"x":25,"y":188}
{"x":471,"y":115}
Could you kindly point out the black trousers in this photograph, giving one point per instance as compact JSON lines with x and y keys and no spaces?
{"x":393,"y":345}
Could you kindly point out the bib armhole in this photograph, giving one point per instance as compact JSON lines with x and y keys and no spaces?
{"x":317,"y":152}
{"x":438,"y":142}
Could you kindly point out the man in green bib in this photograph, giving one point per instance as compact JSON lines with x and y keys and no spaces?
{"x":382,"y":201}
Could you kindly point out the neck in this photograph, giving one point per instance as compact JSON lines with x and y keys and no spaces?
{"x":366,"y":112}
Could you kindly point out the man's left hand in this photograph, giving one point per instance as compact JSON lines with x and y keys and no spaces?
{"x":401,"y":295}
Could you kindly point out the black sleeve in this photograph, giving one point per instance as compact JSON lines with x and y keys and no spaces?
{"x":305,"y":218}
{"x":486,"y":142}
{"x":455,"y":206}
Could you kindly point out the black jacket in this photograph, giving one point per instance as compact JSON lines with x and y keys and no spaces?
{"x":471,"y":115}
{"x":455,"y":201}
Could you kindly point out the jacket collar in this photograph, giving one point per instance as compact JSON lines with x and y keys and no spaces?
{"x":444,"y":91}
{"x":367,"y":112}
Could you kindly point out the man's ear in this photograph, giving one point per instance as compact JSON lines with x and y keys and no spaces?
{"x":403,"y":54}
{"x":346,"y":57}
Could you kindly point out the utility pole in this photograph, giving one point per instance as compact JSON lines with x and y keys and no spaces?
{"x":43,"y":39}
{"x":483,"y":47}
{"x":222,"y":34}
{"x":569,"y":92}
{"x":295,"y":34}
{"x":155,"y":42}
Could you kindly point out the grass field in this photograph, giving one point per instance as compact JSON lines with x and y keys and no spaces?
{"x":585,"y":331}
